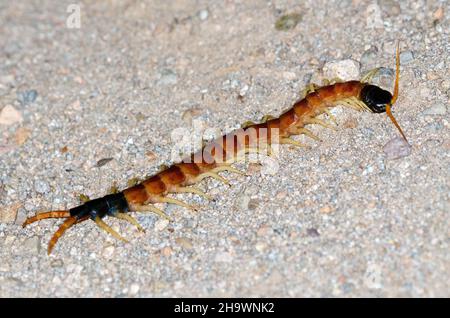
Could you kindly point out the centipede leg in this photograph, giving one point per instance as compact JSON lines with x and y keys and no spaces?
{"x":177,"y":202}
{"x":311,"y":87}
{"x":212,"y":175}
{"x":193,"y":190}
{"x":334,"y":80}
{"x":289,"y":141}
{"x":84,"y":198}
{"x":333,"y":119}
{"x":320,"y":122}
{"x":46,"y":215}
{"x":229,"y":168}
{"x":308,"y":133}
{"x":150,"y":208}
{"x":369,"y":75}
{"x":67,"y":224}
{"x":129,"y":219}
{"x":108,"y":229}
{"x":259,"y":150}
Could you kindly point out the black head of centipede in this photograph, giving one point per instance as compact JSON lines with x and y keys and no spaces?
{"x":375,"y":98}
{"x":379,"y":100}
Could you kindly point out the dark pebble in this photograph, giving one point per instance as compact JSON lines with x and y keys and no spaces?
{"x":27,"y":97}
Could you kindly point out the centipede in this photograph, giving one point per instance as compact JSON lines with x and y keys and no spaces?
{"x":219,"y":154}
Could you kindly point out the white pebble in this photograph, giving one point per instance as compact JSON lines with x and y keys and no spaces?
{"x":345,"y":70}
{"x":108,"y":251}
{"x":397,"y":148}
{"x":134,"y":289}
{"x":203,"y":14}
{"x":9,"y":115}
{"x":406,"y":57}
{"x":374,"y":19}
{"x":41,"y":187}
{"x":161,"y":224}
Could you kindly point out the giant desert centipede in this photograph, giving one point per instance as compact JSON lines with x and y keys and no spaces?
{"x":219,"y":154}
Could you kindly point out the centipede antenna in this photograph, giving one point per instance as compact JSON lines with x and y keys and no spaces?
{"x":395,"y":94}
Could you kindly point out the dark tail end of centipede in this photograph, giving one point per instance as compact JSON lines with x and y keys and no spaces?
{"x":70,"y":220}
{"x":395,"y":93}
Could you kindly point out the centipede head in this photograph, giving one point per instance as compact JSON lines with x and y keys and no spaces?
{"x":379,"y":100}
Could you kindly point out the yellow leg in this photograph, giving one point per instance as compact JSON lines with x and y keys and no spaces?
{"x":248,"y":123}
{"x":114,"y":189}
{"x":308,"y":133}
{"x":84,"y":198}
{"x":262,"y":151}
{"x":177,"y":202}
{"x":289,"y":141}
{"x":150,"y":208}
{"x":354,"y":103}
{"x":267,"y":118}
{"x":369,"y":75}
{"x":130,"y":219}
{"x":334,"y":80}
{"x":108,"y":229}
{"x":320,"y":122}
{"x":333,"y":119}
{"x":227,"y":167}
{"x":193,"y":190}
{"x":311,"y":87}
{"x":212,"y":175}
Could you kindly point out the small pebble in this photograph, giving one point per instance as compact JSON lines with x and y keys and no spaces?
{"x":31,"y":244}
{"x":260,"y":246}
{"x":21,"y":135}
{"x":396,"y":148}
{"x":369,"y":56}
{"x":406,"y":57}
{"x":41,"y":186}
{"x":8,"y":213}
{"x":312,"y":232}
{"x":161,"y":224}
{"x":390,"y":7}
{"x":134,"y":289}
{"x":57,"y":263}
{"x":168,"y":77}
{"x":345,"y":70}
{"x":9,"y":115}
{"x":108,"y":251}
{"x":184,"y":242}
{"x":374,"y":18}
{"x":242,"y":202}
{"x":166,"y":251}
{"x":203,"y":14}
{"x":288,"y":21}
{"x":103,"y":162}
{"x":27,"y":97}
{"x":326,"y":209}
{"x":151,"y":156}
{"x":436,"y":109}
{"x":252,"y":204}
{"x":264,"y":230}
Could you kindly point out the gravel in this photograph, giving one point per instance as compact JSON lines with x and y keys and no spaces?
{"x":357,"y":214}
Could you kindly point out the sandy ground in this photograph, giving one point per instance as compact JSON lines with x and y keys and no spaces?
{"x":356,"y":214}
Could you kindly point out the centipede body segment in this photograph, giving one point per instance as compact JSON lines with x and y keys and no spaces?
{"x":218,"y":155}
